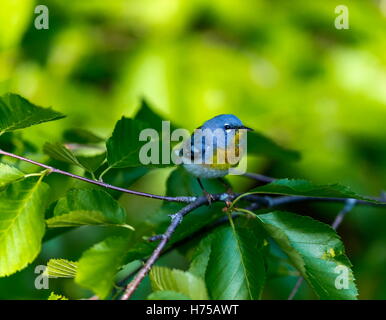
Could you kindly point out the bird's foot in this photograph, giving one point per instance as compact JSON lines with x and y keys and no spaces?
{"x":230,"y":192}
{"x":228,"y":204}
{"x":209,"y":197}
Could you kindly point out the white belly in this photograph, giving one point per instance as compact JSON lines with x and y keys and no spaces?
{"x":201,"y":171}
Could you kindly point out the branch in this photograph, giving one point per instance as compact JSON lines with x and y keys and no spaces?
{"x":197,"y":234}
{"x":292,"y":199}
{"x":350,"y":203}
{"x":176,"y":220}
{"x":296,"y":288}
{"x":259,"y":177}
{"x":261,"y":200}
{"x":99,"y":183}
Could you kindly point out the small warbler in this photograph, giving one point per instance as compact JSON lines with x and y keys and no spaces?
{"x":214,"y":148}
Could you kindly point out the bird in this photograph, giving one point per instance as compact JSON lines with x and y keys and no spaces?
{"x":214,"y":149}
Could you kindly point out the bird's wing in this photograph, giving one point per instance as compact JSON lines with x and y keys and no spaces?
{"x":192,"y":149}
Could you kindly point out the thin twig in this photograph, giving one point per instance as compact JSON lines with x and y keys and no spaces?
{"x":259,"y":177}
{"x":176,"y":220}
{"x":263,"y":200}
{"x":350,"y":203}
{"x":292,"y":199}
{"x":196,"y":235}
{"x":296,"y":288}
{"x":99,"y":183}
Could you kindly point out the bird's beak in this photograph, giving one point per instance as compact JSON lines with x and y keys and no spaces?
{"x":246,"y":128}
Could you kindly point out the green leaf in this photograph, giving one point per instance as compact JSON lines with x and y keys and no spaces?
{"x":92,"y":200}
{"x":259,"y":144}
{"x":154,"y":121}
{"x":315,"y":250}
{"x":124,"y":145}
{"x":82,"y":136}
{"x":201,"y":257}
{"x":17,"y":113}
{"x":59,"y":152}
{"x":98,"y":265}
{"x":85,"y":148}
{"x":86,"y":157}
{"x":167,"y":295}
{"x":146,"y":115}
{"x":165,"y":279}
{"x":54,"y":296}
{"x":85,"y":218}
{"x":305,"y":188}
{"x":87,"y":207}
{"x":61,"y":268}
{"x":279,"y":267}
{"x":22,"y":226}
{"x":91,"y":160}
{"x":236,"y":269}
{"x":8,"y":174}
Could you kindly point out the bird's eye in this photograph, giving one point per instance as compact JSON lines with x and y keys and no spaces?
{"x":227,"y":127}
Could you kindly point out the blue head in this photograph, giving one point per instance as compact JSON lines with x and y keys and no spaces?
{"x":224,"y":121}
{"x":226,"y":124}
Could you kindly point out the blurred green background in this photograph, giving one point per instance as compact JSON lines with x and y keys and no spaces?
{"x":281,"y":66}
